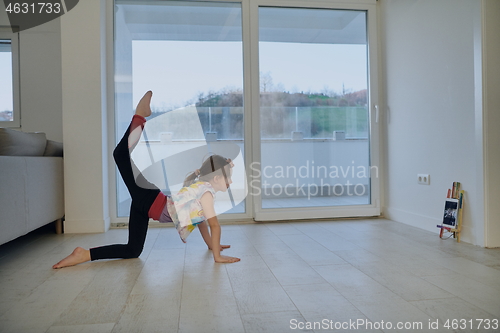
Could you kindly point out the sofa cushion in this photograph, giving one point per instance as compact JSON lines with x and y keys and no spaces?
{"x":16,"y":143}
{"x":53,"y":148}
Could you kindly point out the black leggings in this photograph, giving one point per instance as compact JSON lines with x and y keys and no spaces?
{"x":142,"y":199}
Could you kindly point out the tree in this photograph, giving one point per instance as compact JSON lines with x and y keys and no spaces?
{"x":266,"y":82}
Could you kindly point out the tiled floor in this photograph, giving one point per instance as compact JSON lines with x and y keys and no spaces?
{"x":374,"y":273}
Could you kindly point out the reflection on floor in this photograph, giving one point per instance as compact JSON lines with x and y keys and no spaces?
{"x":322,"y":273}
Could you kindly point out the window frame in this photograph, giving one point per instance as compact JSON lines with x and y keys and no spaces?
{"x":250,"y":35}
{"x":372,"y":209}
{"x":14,"y":38}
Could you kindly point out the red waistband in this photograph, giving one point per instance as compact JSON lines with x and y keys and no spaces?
{"x":157,"y":207}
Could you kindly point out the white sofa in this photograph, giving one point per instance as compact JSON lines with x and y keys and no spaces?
{"x":31,"y":183}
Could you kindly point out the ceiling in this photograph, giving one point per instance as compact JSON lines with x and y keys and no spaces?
{"x":176,"y":20}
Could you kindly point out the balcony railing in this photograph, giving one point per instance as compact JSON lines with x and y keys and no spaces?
{"x":277,"y":123}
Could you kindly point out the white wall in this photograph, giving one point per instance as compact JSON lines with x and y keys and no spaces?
{"x":491,"y":119}
{"x":40,"y":77}
{"x":85,"y":116}
{"x":429,"y":62}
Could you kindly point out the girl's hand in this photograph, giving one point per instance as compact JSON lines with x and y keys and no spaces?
{"x":222,"y":247}
{"x":227,"y":259}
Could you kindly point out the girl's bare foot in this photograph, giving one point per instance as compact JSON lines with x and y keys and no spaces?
{"x":78,"y":256}
{"x":143,"y":108}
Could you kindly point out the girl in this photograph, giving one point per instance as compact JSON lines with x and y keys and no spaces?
{"x":194,"y":202}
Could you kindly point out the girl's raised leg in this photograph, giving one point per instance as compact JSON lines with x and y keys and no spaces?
{"x":138,"y":216}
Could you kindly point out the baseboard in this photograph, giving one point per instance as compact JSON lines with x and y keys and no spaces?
{"x":86,"y":226}
{"x":415,"y":220}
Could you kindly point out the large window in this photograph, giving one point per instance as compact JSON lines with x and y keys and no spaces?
{"x":9,"y":75}
{"x":289,"y":85}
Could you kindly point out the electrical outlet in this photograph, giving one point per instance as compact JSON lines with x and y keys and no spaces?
{"x":423,"y":178}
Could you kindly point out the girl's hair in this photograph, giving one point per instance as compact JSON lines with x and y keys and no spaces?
{"x":207,"y":170}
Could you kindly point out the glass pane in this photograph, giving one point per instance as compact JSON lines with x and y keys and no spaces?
{"x":187,"y":53}
{"x":6,"y":92}
{"x":313,"y":107}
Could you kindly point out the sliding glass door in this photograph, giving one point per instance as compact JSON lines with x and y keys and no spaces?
{"x":314,"y":111}
{"x":289,"y":85}
{"x":190,"y":55}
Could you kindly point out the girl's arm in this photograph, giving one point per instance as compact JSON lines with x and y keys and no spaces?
{"x":207,"y":203}
{"x":205,"y":233}
{"x":203,"y":226}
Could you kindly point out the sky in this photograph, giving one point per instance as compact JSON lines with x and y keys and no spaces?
{"x":178,"y":71}
{"x":312,"y":67}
